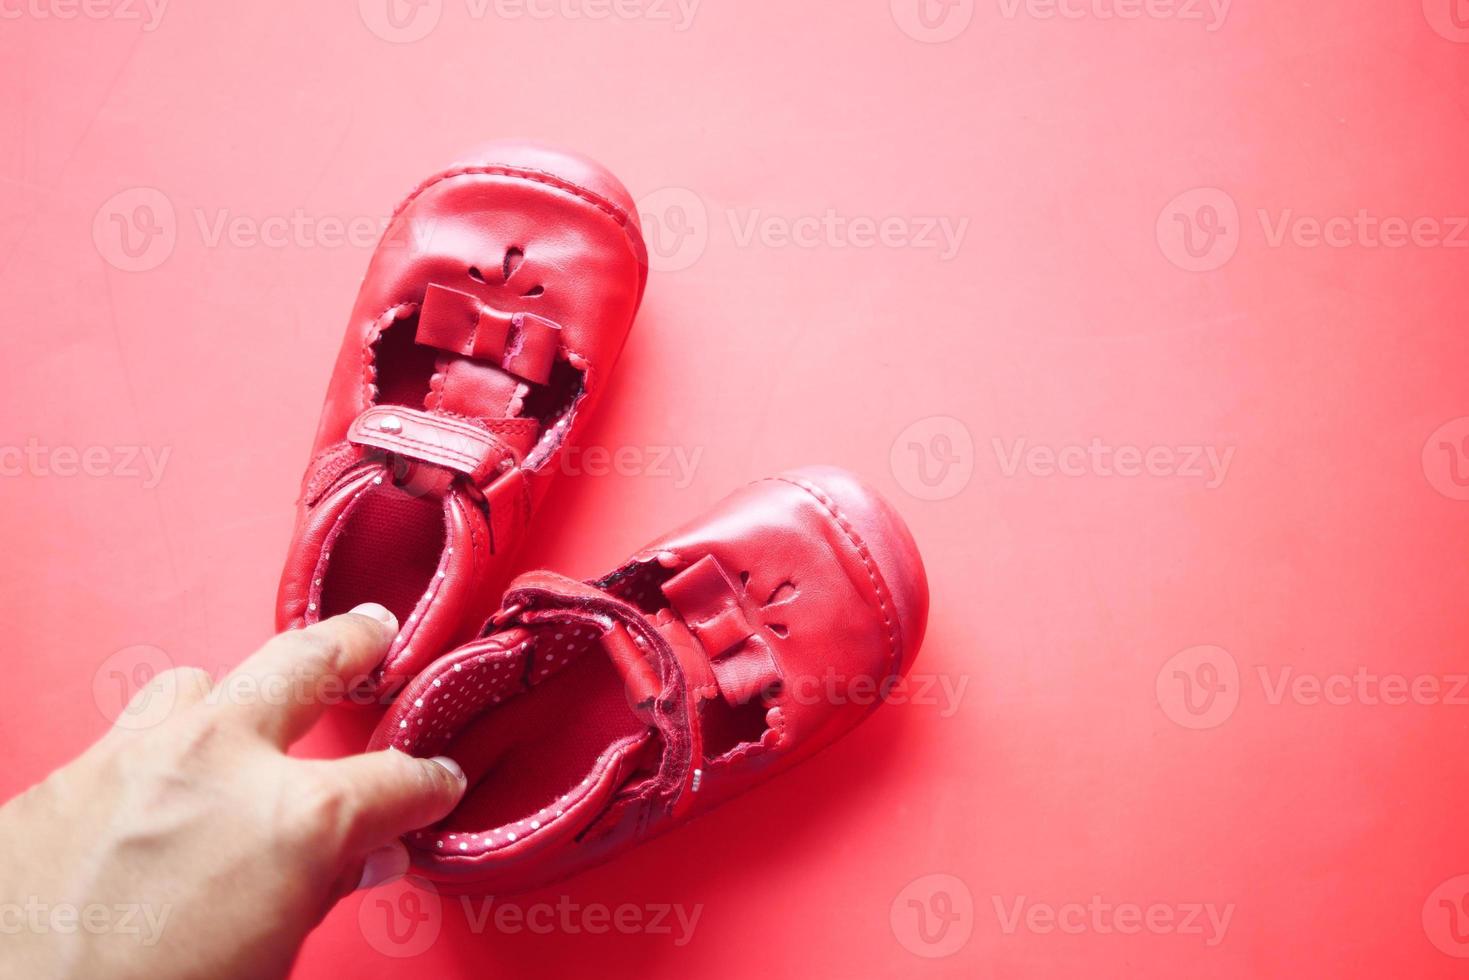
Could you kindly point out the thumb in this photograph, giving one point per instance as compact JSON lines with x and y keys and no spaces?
{"x":394,"y":793}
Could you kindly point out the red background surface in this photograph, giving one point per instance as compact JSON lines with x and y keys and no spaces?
{"x":1078,"y":766}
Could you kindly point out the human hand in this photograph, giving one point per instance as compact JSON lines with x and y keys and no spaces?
{"x":223,"y":851}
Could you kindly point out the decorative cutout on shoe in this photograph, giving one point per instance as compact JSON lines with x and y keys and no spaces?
{"x":783,"y":593}
{"x":514,"y":256}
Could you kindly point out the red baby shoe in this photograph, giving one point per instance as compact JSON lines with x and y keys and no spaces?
{"x":495,"y":305}
{"x":592,"y":716}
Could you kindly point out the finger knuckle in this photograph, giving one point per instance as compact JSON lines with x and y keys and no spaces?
{"x":324,"y":805}
{"x":195,"y":733}
{"x":319,"y":652}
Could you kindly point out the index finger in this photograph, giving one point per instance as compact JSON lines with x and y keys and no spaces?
{"x":282,"y":688}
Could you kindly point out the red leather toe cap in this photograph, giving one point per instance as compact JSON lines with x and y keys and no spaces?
{"x":882,"y":530}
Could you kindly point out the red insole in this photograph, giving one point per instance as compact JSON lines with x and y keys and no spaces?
{"x":522,"y":754}
{"x":387,"y":552}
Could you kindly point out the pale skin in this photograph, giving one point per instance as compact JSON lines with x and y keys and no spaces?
{"x":202,"y":820}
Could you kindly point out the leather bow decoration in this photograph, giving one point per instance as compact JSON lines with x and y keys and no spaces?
{"x":521,"y":343}
{"x":714,"y":610}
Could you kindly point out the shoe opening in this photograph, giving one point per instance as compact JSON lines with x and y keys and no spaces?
{"x":411,"y":374}
{"x":387,"y":550}
{"x":531,"y":723}
{"x":727,"y":727}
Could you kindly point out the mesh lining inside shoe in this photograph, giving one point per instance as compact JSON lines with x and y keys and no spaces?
{"x":527,"y":725}
{"x":388,"y":549}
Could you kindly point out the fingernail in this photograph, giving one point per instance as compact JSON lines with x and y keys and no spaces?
{"x":450,"y":765}
{"x":382,"y":614}
{"x":384,"y":864}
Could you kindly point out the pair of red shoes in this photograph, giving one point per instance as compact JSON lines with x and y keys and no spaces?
{"x":588,"y":716}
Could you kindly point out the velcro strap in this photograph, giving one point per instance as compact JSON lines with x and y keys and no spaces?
{"x":521,"y":343}
{"x":631,"y":662}
{"x":712,"y":607}
{"x":441,"y":440}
